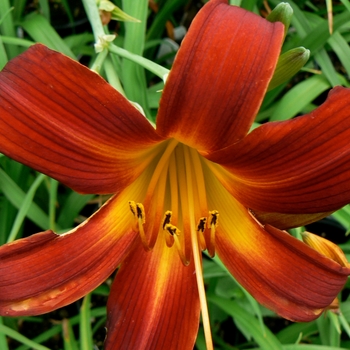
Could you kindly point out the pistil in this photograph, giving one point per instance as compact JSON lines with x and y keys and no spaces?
{"x":196,"y":252}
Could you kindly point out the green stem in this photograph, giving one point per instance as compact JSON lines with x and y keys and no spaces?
{"x":94,"y":18}
{"x":100,"y":58}
{"x":155,"y":68}
{"x":28,"y":199}
{"x":52,"y":203}
{"x":112,"y":76}
{"x":16,"y":41}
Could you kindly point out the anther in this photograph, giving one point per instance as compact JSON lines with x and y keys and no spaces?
{"x":213,"y":218}
{"x":175,"y":232}
{"x":167,"y":218}
{"x":169,"y":240}
{"x":201,"y":224}
{"x":132,"y":206}
{"x":213,"y":223}
{"x":138,"y":211}
{"x":200,"y":229}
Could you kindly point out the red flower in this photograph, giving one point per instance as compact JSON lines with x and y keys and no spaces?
{"x":198,"y":180}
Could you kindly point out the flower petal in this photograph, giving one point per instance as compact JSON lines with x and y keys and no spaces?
{"x":281,"y":272}
{"x":325,"y":247}
{"x":285,"y":221}
{"x":154,"y":302}
{"x":219,"y":77}
{"x":300,"y":166}
{"x":47,"y":271}
{"x":64,"y":120}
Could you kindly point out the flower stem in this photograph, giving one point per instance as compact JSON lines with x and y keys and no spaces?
{"x":155,"y":68}
{"x":94,"y":18}
{"x":100,"y":58}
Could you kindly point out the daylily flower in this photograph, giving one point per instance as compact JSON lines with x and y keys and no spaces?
{"x":199,"y":179}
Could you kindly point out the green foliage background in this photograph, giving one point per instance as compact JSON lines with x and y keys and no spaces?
{"x":31,"y":202}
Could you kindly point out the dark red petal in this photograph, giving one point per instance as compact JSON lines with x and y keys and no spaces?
{"x":46,"y":271}
{"x":285,"y":221}
{"x":281,"y":272}
{"x":64,"y":120}
{"x":300,"y":166}
{"x":154,"y":302}
{"x":219,"y":77}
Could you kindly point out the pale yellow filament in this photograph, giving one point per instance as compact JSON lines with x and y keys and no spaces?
{"x":163,"y":162}
{"x":196,"y":253}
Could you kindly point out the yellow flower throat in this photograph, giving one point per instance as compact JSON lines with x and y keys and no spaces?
{"x":175,"y":202}
{"x":177,"y":190}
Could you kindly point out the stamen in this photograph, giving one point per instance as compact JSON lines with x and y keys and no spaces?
{"x":167,"y":218}
{"x":159,"y":170}
{"x":201,"y":224}
{"x":169,"y":240}
{"x":213,"y":218}
{"x":154,"y":199}
{"x":138,"y":211}
{"x":200,"y":182}
{"x":175,"y":232}
{"x":213,"y":223}
{"x":132,"y":206}
{"x":200,"y":229}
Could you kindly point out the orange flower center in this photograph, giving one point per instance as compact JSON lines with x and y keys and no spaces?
{"x":176,"y":203}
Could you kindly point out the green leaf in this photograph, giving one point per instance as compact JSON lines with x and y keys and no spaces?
{"x":248,"y":323}
{"x":292,"y":333}
{"x":85,"y":324}
{"x":21,"y":338}
{"x":45,"y":9}
{"x":41,"y":31}
{"x":253,"y":303}
{"x":3,"y":341}
{"x":133,"y":74}
{"x":71,"y":207}
{"x":7,"y":27}
{"x":342,"y":49}
{"x":3,"y":55}
{"x":16,"y":196}
{"x":299,"y":96}
{"x":69,"y":341}
{"x":23,"y":210}
{"x":327,"y":67}
{"x":317,"y":37}
{"x":310,"y":347}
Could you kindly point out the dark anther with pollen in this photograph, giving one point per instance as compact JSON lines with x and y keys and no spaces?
{"x":132,"y":206}
{"x":201,"y":224}
{"x":167,"y":219}
{"x":139,"y":211}
{"x":214,"y":218}
{"x":171,"y":229}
